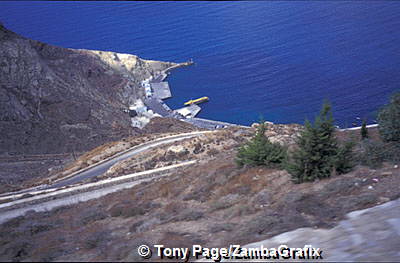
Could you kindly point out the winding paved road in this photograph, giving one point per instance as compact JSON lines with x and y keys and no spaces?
{"x":101,"y":167}
{"x":49,"y":199}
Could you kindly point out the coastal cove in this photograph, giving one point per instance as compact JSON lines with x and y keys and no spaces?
{"x":131,"y":130}
{"x":251,"y":58}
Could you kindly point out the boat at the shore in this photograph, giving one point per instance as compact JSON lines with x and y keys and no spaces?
{"x":197,"y":101}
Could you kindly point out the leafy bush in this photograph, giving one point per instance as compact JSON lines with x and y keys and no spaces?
{"x":389,"y":120}
{"x":116,"y":210}
{"x":318,"y":152}
{"x":126,"y":210}
{"x":92,"y":214}
{"x":39,"y":227}
{"x":260,"y":151}
{"x":374,"y":153}
{"x":344,"y":160}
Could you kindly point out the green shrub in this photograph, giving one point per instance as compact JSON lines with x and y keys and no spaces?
{"x":344,"y":159}
{"x":389,"y":120}
{"x":371,"y":153}
{"x":260,"y":151}
{"x":126,"y":210}
{"x":318,"y":152}
{"x":92,"y":214}
{"x":374,"y":153}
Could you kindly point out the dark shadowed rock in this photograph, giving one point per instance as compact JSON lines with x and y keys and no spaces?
{"x":262,"y":198}
{"x":55,"y":100}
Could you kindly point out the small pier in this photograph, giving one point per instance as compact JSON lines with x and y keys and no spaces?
{"x":156,"y":90}
{"x":189,"y":111}
{"x":161,"y":90}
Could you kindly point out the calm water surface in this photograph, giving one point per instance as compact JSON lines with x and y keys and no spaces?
{"x":270,"y":58}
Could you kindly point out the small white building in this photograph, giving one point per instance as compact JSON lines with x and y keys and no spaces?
{"x":139,"y":114}
{"x":138,"y":106}
{"x":144,"y":82}
{"x":147,"y":89}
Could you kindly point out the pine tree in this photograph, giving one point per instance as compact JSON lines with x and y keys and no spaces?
{"x":389,"y":120}
{"x":364,"y":130}
{"x":318,"y":153}
{"x":260,"y":151}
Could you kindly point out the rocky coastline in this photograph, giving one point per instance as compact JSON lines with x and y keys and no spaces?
{"x":61,"y":100}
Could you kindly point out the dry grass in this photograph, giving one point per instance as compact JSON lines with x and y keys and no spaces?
{"x":103,"y":152}
{"x":213,"y":203}
{"x":203,"y":147}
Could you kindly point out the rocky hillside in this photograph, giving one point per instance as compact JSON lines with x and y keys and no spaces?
{"x":212,"y":203}
{"x":55,"y":100}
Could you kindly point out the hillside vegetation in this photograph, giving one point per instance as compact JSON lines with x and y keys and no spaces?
{"x":213,"y":203}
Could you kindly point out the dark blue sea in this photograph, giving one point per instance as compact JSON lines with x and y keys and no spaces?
{"x":277,"y":59}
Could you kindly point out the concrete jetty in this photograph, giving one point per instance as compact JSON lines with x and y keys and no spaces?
{"x":157,"y":106}
{"x":157,"y":89}
{"x":161,"y":90}
{"x":189,"y":111}
{"x":185,"y":64}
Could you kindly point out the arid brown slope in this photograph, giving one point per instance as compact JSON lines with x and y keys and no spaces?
{"x":56,"y":100}
{"x":162,"y":125}
{"x":22,"y":173}
{"x":212,"y":203}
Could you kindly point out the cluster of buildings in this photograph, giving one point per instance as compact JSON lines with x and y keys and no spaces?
{"x":140,"y":114}
{"x":147,"y":88}
{"x":155,"y":91}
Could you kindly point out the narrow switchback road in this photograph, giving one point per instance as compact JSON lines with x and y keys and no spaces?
{"x":101,"y":167}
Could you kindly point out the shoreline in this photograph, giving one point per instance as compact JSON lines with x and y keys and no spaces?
{"x":158,"y":106}
{"x":179,"y":65}
{"x":203,"y":122}
{"x":358,"y":127}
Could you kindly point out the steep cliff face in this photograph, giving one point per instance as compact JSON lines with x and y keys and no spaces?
{"x":55,"y":99}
